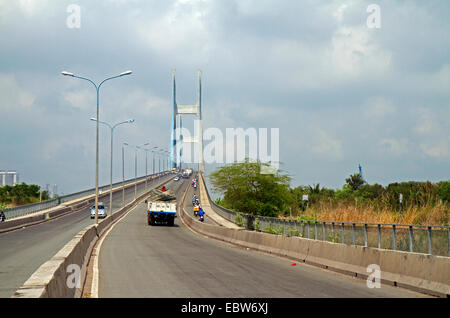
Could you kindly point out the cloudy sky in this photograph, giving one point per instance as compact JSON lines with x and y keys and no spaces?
{"x":341,"y":93}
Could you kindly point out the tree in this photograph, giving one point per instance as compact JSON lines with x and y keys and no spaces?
{"x":355,"y":181}
{"x":246,"y":190}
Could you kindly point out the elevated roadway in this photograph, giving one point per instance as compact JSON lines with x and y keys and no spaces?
{"x":23,"y":251}
{"x":137,"y":260}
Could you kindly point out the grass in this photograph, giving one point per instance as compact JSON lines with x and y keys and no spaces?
{"x":430,"y":214}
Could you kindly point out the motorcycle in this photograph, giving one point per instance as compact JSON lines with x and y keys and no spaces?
{"x":202,"y":218}
{"x":196,"y":209}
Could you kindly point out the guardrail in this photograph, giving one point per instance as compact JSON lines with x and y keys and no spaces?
{"x":12,"y":213}
{"x":425,"y":239}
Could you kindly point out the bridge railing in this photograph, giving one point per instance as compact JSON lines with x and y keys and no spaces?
{"x":11,"y":213}
{"x":426,"y":239}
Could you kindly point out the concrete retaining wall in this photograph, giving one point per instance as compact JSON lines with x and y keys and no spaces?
{"x":50,"y":279}
{"x":420,"y":272}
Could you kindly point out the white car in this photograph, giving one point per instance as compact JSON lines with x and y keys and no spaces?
{"x":176,"y":178}
{"x":101,"y":211}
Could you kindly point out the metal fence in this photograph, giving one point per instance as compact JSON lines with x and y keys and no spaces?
{"x":11,"y":213}
{"x":427,"y":239}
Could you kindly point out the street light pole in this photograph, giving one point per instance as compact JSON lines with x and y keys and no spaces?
{"x":141,"y":147}
{"x":153,"y":163}
{"x":123,"y":178}
{"x":135,"y":165}
{"x":129,"y":121}
{"x":164,"y":153}
{"x":153,"y":152}
{"x":97,"y":87}
{"x":146,"y":170}
{"x":135,"y":173}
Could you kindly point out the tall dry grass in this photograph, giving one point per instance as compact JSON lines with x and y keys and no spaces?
{"x":430,"y":214}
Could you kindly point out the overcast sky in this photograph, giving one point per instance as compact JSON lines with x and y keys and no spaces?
{"x":341,"y":93}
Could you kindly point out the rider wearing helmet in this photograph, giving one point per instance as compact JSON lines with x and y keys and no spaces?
{"x":201,"y":214}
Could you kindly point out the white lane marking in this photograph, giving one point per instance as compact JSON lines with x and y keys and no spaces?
{"x":96,"y":252}
{"x":95,"y":272}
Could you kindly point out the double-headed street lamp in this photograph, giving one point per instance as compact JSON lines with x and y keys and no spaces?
{"x":153,"y":152}
{"x":146,"y":163}
{"x":162,"y":152}
{"x":112,"y":127}
{"x":97,"y":88}
{"x":135,"y":164}
{"x":166,"y":155}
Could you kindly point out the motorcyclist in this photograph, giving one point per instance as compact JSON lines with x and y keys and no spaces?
{"x":201,"y":213}
{"x":2,"y":216}
{"x":196,"y":208}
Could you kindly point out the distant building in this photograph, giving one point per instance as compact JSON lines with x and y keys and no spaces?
{"x":10,"y":178}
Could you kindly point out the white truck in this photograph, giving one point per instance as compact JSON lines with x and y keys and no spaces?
{"x":162,"y":207}
{"x":187,"y":173}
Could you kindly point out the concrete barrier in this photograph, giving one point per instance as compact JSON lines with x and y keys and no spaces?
{"x":420,"y":272}
{"x":50,"y":279}
{"x":66,"y":208}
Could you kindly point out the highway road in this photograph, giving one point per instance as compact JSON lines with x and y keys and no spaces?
{"x":23,"y":251}
{"x":137,"y":260}
{"x":189,"y":195}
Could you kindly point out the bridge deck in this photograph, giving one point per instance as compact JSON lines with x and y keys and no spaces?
{"x":140,"y":261}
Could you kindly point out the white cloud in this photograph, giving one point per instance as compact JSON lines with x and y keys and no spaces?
{"x":437,"y":150}
{"x":81,"y":99}
{"x":379,"y":107}
{"x":327,"y":146}
{"x":338,"y":14}
{"x":13,"y":97}
{"x":355,"y":53}
{"x":426,"y":124}
{"x":180,"y":30}
{"x":396,"y":147}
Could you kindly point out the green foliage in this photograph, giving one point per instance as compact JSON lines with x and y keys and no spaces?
{"x":280,"y":230}
{"x":333,"y":237}
{"x":256,"y":224}
{"x":238,"y":219}
{"x":416,"y":194}
{"x":246,"y":189}
{"x":270,"y":229}
{"x":444,"y":190}
{"x":306,"y":218}
{"x":21,"y":194}
{"x":355,"y":181}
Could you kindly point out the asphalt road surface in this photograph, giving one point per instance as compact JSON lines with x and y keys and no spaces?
{"x":138,"y":260}
{"x":189,"y":195}
{"x":23,"y":251}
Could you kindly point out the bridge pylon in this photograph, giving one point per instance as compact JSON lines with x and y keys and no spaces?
{"x":178,"y":110}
